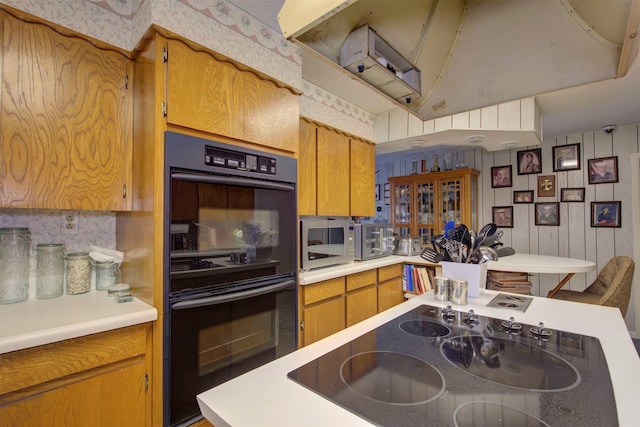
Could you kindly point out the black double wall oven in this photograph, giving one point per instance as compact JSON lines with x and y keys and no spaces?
{"x":230,"y":245}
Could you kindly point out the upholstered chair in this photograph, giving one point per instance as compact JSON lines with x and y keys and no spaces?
{"x":611,"y":288}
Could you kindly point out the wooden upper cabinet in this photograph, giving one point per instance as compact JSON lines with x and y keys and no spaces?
{"x":333,"y":173}
{"x":270,"y":114}
{"x":203,"y":93}
{"x":216,"y":97}
{"x":307,"y":171}
{"x":362,"y":177}
{"x":67,"y":120}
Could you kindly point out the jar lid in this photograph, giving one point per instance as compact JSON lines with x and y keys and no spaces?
{"x":49,"y":246}
{"x":78,"y":255}
{"x":104,"y":264}
{"x":13,"y":230}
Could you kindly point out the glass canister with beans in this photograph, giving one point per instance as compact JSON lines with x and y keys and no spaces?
{"x":78,"y":273}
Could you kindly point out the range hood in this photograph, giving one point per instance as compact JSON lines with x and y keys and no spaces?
{"x":472,"y":54}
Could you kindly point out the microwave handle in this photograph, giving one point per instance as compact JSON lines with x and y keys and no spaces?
{"x":233,"y":180}
{"x":221,"y":299}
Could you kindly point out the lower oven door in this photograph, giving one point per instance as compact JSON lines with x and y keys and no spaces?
{"x":214,"y":339}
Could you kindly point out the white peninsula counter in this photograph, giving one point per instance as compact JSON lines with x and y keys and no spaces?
{"x":267,"y":397}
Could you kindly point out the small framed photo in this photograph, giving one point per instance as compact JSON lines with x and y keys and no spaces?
{"x":603,"y":170}
{"x":547,"y":186}
{"x":572,"y":194}
{"x":501,"y":176}
{"x":523,"y":196}
{"x":530,"y":161}
{"x":605,"y":214}
{"x":503,"y":216}
{"x":547,"y":213}
{"x":566,"y":157}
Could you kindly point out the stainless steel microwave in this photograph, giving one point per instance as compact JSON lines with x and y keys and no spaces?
{"x":373,"y":241}
{"x":325,"y":242}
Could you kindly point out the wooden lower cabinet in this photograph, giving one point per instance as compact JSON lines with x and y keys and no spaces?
{"x":330,"y":306}
{"x":362,"y":296}
{"x":96,"y":380}
{"x":389,"y":287}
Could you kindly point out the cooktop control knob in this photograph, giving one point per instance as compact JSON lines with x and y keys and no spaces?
{"x":511,"y":325}
{"x":471,"y":318}
{"x":448,"y":313}
{"x":540,"y":331}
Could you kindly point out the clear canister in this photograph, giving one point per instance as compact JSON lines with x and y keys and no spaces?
{"x":459,"y":291}
{"x":78,"y":273}
{"x":107,"y":273}
{"x":14,"y":264}
{"x":49,"y":270}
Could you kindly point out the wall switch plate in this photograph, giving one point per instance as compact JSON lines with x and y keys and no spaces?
{"x":69,"y":222}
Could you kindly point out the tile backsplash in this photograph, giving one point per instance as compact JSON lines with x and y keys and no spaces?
{"x":94,"y":228}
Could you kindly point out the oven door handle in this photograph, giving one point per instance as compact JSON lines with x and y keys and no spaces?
{"x":233,"y":180}
{"x":220,"y":299}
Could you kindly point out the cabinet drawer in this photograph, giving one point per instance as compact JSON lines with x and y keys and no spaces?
{"x":322,"y":290}
{"x":360,"y":280}
{"x":31,"y":366}
{"x":389,"y":272}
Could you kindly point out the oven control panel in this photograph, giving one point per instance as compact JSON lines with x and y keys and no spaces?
{"x":237,"y":160}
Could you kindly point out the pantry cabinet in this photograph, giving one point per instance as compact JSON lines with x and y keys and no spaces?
{"x":67,"y":120}
{"x":214,"y":96}
{"x":421,"y":204}
{"x":82,"y":381}
{"x":336,"y":173}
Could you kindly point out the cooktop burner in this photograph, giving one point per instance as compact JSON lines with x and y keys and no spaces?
{"x":393,"y":378}
{"x":434,"y":365}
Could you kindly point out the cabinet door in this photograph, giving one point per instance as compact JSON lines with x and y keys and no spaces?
{"x":362,"y":178}
{"x":203,"y":93}
{"x":427,"y":213}
{"x":401,"y":207}
{"x":323,"y":319}
{"x":390,"y":293}
{"x":67,"y":121}
{"x":117,"y":395}
{"x":307,"y":172}
{"x":333,"y":173}
{"x":361,"y":304}
{"x":270,"y":114}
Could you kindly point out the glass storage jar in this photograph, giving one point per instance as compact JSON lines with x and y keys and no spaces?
{"x":107,"y":273}
{"x":78,"y":273}
{"x":49,"y":270}
{"x":14,"y":264}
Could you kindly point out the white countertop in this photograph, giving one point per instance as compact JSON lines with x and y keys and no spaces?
{"x":36,"y":322}
{"x":528,"y":263}
{"x":266,"y":397}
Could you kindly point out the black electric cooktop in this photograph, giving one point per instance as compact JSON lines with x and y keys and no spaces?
{"x":423,"y":368}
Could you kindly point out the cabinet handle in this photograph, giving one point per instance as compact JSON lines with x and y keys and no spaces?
{"x":302,"y":325}
{"x":124,"y":191}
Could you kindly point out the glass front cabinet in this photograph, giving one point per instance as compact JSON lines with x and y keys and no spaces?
{"x":421,"y":204}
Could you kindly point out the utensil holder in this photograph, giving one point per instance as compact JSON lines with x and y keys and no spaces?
{"x":474,"y":274}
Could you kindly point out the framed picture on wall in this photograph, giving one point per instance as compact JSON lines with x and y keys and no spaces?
{"x":523,"y":196}
{"x":566,"y":157}
{"x":547,"y":186}
{"x":548,"y":213}
{"x":605,"y":214}
{"x":501,"y":176}
{"x":503,"y":216}
{"x":572,"y":194}
{"x":530,"y":161}
{"x":603,"y":170}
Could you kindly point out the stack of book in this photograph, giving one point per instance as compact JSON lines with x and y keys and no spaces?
{"x":417,"y":279}
{"x":507,"y":281}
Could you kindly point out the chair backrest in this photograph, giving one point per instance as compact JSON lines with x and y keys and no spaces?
{"x":613,"y":283}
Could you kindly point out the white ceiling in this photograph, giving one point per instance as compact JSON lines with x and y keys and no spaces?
{"x":583,"y":107}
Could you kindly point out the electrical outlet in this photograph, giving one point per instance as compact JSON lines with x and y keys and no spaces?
{"x":69,"y":222}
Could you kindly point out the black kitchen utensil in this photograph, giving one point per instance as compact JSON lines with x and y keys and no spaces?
{"x":431,"y":255}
